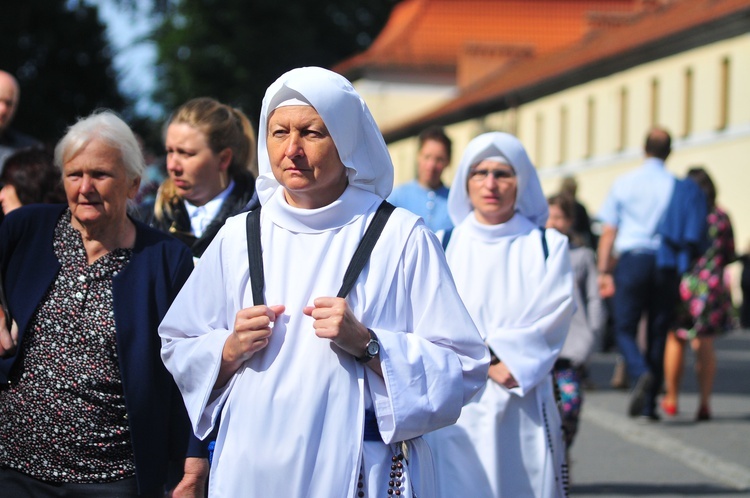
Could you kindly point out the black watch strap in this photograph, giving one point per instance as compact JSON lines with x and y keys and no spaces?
{"x":372,"y":349}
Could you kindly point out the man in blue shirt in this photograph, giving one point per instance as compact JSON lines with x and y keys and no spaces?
{"x":427,"y":196}
{"x":629,"y":274}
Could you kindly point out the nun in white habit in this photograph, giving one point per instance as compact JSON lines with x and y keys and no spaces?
{"x":517,"y":284}
{"x":292,"y":381}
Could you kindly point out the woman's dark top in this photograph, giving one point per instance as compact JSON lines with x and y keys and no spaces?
{"x":178,"y":223}
{"x":142,"y":291}
{"x":66,"y":390}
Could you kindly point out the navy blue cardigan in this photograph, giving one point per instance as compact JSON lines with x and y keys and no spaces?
{"x":142,"y":293}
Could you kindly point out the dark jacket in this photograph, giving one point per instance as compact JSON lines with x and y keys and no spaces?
{"x":178,"y":224}
{"x":683,"y":227}
{"x":142,"y":293}
{"x":12,"y":141}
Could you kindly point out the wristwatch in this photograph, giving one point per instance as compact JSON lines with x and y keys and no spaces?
{"x":372,"y":349}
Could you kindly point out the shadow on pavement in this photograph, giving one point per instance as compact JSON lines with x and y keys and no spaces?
{"x":732,"y":355}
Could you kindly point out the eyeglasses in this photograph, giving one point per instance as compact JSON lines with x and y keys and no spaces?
{"x":500,"y":175}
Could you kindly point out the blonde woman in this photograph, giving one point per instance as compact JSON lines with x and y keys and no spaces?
{"x":210,"y":158}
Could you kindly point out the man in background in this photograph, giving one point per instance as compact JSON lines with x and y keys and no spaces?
{"x":10,"y":139}
{"x":427,"y":196}
{"x":628,"y":270}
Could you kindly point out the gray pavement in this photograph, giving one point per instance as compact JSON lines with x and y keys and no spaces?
{"x":615,"y":456}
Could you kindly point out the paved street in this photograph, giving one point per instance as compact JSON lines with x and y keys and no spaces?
{"x":614,"y":456}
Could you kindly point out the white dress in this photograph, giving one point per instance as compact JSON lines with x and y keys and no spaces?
{"x":292,"y":417}
{"x":508,"y":443}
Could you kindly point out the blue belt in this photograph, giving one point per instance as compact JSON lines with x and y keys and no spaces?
{"x":372,"y":432}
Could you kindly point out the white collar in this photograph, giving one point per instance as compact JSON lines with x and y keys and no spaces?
{"x":515,"y":226}
{"x":352,"y":204}
{"x":202,"y":216}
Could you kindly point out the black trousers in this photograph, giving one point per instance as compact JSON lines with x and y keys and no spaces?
{"x":18,"y":485}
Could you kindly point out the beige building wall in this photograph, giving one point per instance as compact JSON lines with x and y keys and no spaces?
{"x":394,"y":103}
{"x":700,"y":96}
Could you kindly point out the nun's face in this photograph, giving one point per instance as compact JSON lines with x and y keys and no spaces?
{"x":304,"y":159}
{"x":492,"y":188}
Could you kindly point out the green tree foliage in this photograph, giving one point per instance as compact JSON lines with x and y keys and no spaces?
{"x":58,"y":52}
{"x":233,"y":49}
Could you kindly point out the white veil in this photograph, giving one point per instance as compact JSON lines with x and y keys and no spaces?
{"x":358,"y":139}
{"x":530,"y":200}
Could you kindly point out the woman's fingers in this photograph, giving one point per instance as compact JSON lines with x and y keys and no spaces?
{"x":252,"y":331}
{"x":335,"y":321}
{"x":8,"y":338}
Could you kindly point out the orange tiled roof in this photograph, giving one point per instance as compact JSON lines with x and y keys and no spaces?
{"x":430,"y":35}
{"x":618,"y":43}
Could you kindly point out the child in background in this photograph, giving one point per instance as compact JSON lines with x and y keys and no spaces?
{"x":588,"y":320}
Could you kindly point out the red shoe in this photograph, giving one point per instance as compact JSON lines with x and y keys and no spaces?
{"x":668,"y":408}
{"x":703,"y":414}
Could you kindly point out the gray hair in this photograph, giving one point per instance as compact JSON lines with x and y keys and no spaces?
{"x":106,"y":126}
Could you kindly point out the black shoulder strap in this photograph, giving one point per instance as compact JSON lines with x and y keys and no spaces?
{"x":447,"y":237}
{"x":545,"y":249}
{"x":362,"y":254}
{"x":255,"y":256}
{"x":360,"y":258}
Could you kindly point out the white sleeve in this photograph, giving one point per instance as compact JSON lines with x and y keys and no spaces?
{"x":435,"y":368}
{"x":534,"y":342}
{"x":193,"y":334}
{"x":609,"y":212}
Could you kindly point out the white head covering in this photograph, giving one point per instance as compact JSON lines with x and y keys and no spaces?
{"x":530,"y":200}
{"x":357,"y":138}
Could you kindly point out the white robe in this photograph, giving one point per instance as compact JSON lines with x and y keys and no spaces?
{"x":292,"y":416}
{"x":508,"y":443}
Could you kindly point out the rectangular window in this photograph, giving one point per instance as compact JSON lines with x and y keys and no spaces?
{"x":539,"y":138}
{"x":688,"y":106}
{"x":513,"y":117}
{"x":623,"y":138}
{"x":654,"y":102}
{"x":724,"y":94}
{"x":563,"y":135}
{"x":590,"y":126}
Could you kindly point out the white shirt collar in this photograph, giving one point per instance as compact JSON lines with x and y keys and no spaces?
{"x":202,"y":216}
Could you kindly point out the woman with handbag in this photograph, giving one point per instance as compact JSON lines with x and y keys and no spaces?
{"x":319,"y":393}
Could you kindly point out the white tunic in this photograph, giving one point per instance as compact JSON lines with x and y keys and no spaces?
{"x":292,"y":416}
{"x":508,"y":443}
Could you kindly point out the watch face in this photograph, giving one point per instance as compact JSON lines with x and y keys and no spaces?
{"x":373,"y":348}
